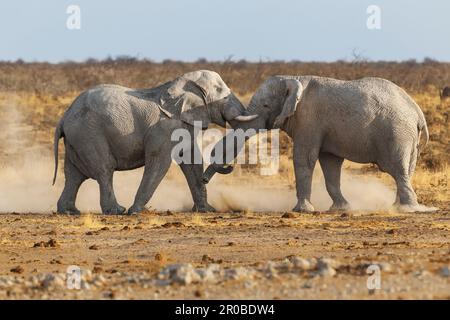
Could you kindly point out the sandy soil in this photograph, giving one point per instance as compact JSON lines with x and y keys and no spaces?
{"x":121,"y":256}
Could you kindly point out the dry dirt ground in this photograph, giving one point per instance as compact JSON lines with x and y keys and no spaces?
{"x":226,"y":255}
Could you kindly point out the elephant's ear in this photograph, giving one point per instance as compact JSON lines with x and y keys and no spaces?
{"x":294,"y":91}
{"x":191,"y":101}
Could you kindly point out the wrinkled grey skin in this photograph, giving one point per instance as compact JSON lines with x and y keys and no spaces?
{"x":110,"y":128}
{"x":370,"y":120}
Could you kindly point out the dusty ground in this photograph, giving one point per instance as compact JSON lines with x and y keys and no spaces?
{"x":125,"y":254}
{"x":240,"y":255}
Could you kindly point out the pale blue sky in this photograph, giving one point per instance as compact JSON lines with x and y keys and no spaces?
{"x":319,"y":30}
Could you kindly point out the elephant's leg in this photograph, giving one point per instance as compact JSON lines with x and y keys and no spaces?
{"x":156,"y":166}
{"x":405,"y":192}
{"x":193,"y":174}
{"x":411,"y":169}
{"x":401,"y":167}
{"x":108,"y":200}
{"x":331,"y":167}
{"x":305,"y":157}
{"x":95,"y":159}
{"x":73,"y":180}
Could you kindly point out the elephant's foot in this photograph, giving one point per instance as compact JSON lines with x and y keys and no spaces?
{"x":114,"y":210}
{"x":413,"y":207}
{"x":203,"y":208}
{"x":340,"y":206}
{"x":135,"y":209}
{"x":67,"y":209}
{"x":303,"y":206}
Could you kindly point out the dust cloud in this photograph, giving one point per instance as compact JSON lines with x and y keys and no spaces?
{"x":26,"y":172}
{"x":363,"y":193}
{"x":26,"y":187}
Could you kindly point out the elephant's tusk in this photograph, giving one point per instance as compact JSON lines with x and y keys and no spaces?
{"x":167,"y":113}
{"x":242,"y":118}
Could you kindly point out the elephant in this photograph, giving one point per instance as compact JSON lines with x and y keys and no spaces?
{"x":113,"y":128}
{"x":369,"y":120}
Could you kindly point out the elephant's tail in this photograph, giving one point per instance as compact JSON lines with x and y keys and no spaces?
{"x":58,"y":134}
{"x":424,"y":135}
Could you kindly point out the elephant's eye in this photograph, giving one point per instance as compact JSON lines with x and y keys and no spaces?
{"x":265,"y":106}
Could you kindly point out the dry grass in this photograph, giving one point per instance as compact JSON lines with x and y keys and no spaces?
{"x":197,"y":220}
{"x":154,"y":221}
{"x":42,"y":92}
{"x":90,"y":221}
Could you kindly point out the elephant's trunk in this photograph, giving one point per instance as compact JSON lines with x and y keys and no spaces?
{"x":225,"y":151}
{"x":213,"y":168}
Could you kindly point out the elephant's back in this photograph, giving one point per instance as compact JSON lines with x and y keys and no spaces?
{"x":368,"y":98}
{"x":110,"y":106}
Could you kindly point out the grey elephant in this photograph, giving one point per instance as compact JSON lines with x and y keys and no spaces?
{"x":110,"y":128}
{"x":370,"y":120}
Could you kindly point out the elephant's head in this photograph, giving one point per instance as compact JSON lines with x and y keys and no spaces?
{"x":274,"y":102}
{"x":202,"y":97}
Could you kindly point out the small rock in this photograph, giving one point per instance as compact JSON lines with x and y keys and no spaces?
{"x":307,"y":285}
{"x":288,"y":215}
{"x":199,"y":293}
{"x":326,"y":272}
{"x":210,"y":273}
{"x":17,"y":269}
{"x":93,"y":247}
{"x":421,"y":273}
{"x":285,"y":266}
{"x":109,"y":294}
{"x":239,"y":273}
{"x":86,"y":274}
{"x":445,"y":272}
{"x":6,"y":282}
{"x":303,"y":264}
{"x":175,"y":224}
{"x":326,"y":262}
{"x":97,"y":269}
{"x":206,"y":258}
{"x":270,"y":269}
{"x":55,"y":261}
{"x":326,"y":267}
{"x":180,"y":273}
{"x":51,"y":280}
{"x":386,"y":267}
{"x":52,"y":243}
{"x":84,"y":285}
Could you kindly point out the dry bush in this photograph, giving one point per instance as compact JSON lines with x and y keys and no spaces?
{"x":42,"y":91}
